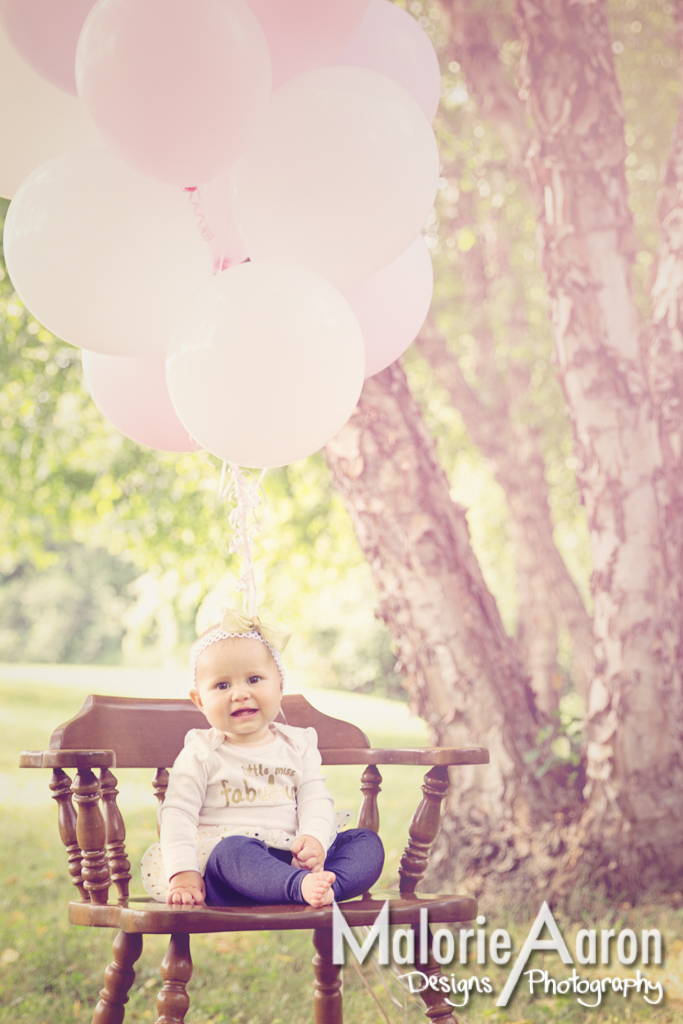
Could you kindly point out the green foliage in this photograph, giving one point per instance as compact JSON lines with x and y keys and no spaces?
{"x":71,"y":484}
{"x":648,"y":65}
{"x":71,"y":611}
{"x":560,"y":743}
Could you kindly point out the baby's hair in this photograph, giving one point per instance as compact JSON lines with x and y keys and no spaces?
{"x":215,"y":634}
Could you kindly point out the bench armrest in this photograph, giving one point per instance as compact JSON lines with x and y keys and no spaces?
{"x":93,"y":830}
{"x":428,"y":756}
{"x":67,"y":759}
{"x":424,"y":824}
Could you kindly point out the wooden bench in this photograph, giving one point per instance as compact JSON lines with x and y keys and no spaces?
{"x":122,"y":732}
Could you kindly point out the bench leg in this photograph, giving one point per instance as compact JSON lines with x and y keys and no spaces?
{"x":118,"y":978}
{"x":437,"y":1009}
{"x":176,"y":970}
{"x":327,"y":997}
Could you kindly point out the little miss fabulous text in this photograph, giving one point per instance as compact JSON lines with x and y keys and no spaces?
{"x":412,"y":947}
{"x":267,"y":789}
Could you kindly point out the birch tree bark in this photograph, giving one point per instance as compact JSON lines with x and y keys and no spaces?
{"x":546,"y":588}
{"x":502,"y":817}
{"x":549,"y":599}
{"x":463,"y":672}
{"x":665,"y":365}
{"x":470,"y":43}
{"x":633,"y":825}
{"x":461,"y":668}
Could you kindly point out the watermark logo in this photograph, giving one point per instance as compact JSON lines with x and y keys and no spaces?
{"x":591,"y":947}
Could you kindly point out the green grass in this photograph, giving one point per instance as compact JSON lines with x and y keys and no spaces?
{"x":50,"y":971}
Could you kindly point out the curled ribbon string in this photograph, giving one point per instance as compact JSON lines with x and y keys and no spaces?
{"x":195,"y":196}
{"x":246,"y":497}
{"x":220,"y":260}
{"x":202,"y":198}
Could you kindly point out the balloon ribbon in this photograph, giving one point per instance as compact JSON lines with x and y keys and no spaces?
{"x":246,"y":497}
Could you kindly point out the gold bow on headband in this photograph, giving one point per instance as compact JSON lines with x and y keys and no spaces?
{"x":236,"y":622}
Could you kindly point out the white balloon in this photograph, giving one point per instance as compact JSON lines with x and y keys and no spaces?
{"x":266,"y":365}
{"x":37,"y":120}
{"x":341,"y":176}
{"x":104,"y":257}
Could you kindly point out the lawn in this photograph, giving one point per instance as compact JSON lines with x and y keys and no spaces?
{"x":50,"y":972}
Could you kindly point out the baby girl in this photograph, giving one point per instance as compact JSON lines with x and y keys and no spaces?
{"x":247,"y":816}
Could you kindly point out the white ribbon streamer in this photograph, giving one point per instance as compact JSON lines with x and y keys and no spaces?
{"x":245,"y":496}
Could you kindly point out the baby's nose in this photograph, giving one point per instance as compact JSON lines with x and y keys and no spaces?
{"x":240,"y":691}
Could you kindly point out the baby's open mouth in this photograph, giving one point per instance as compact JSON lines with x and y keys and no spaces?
{"x":244,"y":712}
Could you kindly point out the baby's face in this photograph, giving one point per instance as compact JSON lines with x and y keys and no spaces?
{"x":239,"y":689}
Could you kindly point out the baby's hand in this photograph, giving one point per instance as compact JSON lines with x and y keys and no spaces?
{"x":186,"y":888}
{"x":308,"y":853}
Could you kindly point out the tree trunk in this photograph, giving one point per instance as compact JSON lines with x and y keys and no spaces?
{"x":549,"y":598}
{"x":461,"y":668}
{"x":463,"y":671}
{"x":633,"y":827}
{"x":665,"y":364}
{"x":471,"y":45}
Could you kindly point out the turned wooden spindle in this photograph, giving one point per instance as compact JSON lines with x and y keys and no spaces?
{"x":91,"y":834}
{"x":437,"y":1009}
{"x":423,"y":829}
{"x":60,"y":784}
{"x":176,"y":970}
{"x":368,"y":816}
{"x":119,"y":865}
{"x":327,"y":995}
{"x":160,"y":785}
{"x":118,"y":979}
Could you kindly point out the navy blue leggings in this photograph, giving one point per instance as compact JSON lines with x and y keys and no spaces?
{"x":243,"y":871}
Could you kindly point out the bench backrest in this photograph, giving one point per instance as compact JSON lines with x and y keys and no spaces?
{"x":150,"y":733}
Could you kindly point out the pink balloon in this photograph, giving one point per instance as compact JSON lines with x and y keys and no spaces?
{"x":392,"y":304}
{"x":391,"y":41}
{"x":45,"y":33}
{"x":306,"y":34}
{"x":131,"y":391}
{"x":175,"y":87}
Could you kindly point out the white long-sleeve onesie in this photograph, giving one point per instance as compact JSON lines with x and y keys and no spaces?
{"x":274,"y":792}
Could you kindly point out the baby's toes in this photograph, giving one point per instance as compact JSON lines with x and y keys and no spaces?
{"x":323,"y":887}
{"x":315,"y":888}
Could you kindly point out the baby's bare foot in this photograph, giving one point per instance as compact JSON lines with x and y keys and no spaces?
{"x":316,"y":888}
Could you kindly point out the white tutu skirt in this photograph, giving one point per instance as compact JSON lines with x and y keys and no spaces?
{"x":154,"y":880}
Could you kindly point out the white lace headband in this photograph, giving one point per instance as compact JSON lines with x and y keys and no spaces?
{"x":215,"y":635}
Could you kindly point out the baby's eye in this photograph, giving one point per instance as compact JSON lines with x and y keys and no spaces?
{"x":222,"y":685}
{"x":254,"y":679}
